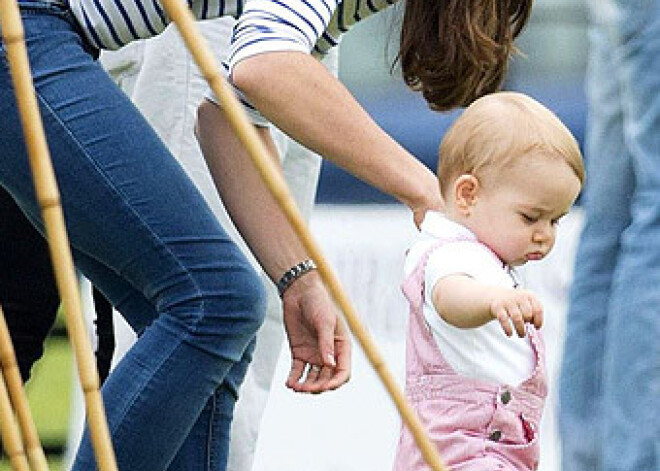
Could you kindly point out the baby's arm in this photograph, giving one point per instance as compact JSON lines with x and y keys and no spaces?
{"x":465,"y":303}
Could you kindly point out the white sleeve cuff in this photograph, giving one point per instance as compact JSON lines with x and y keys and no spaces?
{"x":253,"y":114}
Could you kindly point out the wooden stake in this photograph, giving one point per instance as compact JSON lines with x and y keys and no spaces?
{"x":14,"y":384}
{"x":275,"y":182}
{"x":11,"y":436}
{"x":49,"y":201}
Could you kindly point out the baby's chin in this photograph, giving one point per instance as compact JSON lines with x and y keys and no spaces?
{"x":517,"y":263}
{"x":509,"y":261}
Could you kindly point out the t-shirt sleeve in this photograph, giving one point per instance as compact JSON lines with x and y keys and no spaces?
{"x":274,"y":25}
{"x":253,"y":114}
{"x":465,"y":257}
{"x":277,"y":25}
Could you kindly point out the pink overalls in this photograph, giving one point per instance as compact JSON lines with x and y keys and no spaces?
{"x":475,"y":425}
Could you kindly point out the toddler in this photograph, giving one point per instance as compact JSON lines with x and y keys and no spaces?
{"x":509,"y":170}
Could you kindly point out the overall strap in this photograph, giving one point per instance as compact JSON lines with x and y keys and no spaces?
{"x":422,"y":353}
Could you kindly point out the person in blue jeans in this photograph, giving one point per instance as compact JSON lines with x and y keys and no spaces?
{"x":142,"y":233}
{"x":610,"y":380}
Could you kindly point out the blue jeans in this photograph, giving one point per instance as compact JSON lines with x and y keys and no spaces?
{"x":141,"y":232}
{"x":610,"y":381}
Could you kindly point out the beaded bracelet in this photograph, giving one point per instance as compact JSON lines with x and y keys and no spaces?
{"x":293,"y":274}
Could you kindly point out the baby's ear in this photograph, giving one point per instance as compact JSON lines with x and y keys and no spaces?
{"x":466,"y":188}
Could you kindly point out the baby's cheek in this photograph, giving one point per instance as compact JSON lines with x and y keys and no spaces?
{"x":513,"y":251}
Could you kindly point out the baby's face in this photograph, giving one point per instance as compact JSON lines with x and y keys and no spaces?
{"x":517,"y":210}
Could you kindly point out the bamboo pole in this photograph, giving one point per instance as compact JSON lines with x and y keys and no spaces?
{"x":245,"y":131}
{"x":49,"y":201}
{"x":12,"y":379}
{"x":11,"y":435}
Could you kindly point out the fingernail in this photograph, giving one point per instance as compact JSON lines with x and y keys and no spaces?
{"x":331,"y":359}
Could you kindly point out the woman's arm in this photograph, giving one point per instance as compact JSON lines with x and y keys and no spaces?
{"x":316,"y":333}
{"x":295,"y":92}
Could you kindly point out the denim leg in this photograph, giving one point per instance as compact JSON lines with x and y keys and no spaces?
{"x":609,"y":382}
{"x":206,"y":447}
{"x":212,"y":429}
{"x":631,"y":377}
{"x":130,"y":207}
{"x":605,"y":201}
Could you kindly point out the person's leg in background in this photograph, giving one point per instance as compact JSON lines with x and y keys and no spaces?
{"x":631,"y":376}
{"x":105,"y":335}
{"x":167,"y":89}
{"x":605,"y":202}
{"x":28,"y":294}
{"x":609,"y":388}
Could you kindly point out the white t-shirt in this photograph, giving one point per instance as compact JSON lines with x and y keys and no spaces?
{"x":484,"y":352}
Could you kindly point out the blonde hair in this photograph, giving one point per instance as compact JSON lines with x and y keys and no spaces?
{"x":501,"y":129}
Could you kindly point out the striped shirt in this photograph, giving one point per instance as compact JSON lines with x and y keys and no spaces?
{"x":111,"y":24}
{"x":346,"y":15}
{"x":272,"y":25}
{"x":312,"y":26}
{"x":297,"y":25}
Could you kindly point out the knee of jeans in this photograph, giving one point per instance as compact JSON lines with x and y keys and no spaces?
{"x":240,"y":303}
{"x":219,"y":310}
{"x":251,"y":300}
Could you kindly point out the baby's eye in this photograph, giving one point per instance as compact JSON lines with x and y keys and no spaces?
{"x":528,"y":218}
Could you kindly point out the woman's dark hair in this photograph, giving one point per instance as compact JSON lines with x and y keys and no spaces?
{"x":455,"y":51}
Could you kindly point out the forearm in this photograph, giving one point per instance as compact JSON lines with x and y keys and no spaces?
{"x":318,"y":340}
{"x":298,"y":94}
{"x":249,"y":203}
{"x":462,"y":301}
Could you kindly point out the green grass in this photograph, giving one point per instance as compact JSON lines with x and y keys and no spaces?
{"x":54,"y":464}
{"x":49,"y":393}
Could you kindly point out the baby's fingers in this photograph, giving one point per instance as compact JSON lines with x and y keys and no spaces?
{"x":517,"y":315}
{"x":537,"y":308}
{"x":503,"y":318}
{"x":532,"y":310}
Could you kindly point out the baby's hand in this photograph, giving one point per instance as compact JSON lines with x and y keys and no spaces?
{"x":516,"y":306}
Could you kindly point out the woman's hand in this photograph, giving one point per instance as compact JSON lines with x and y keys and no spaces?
{"x":319,"y":341}
{"x":419,"y":212}
{"x":428,"y":198}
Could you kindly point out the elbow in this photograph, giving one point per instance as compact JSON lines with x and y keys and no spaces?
{"x":249,"y":75}
{"x":254,"y":75}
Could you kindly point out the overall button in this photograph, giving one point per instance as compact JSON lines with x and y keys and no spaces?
{"x":495,"y":435}
{"x":505,"y":397}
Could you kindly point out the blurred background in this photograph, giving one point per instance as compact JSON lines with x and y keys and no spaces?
{"x":364,"y":234}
